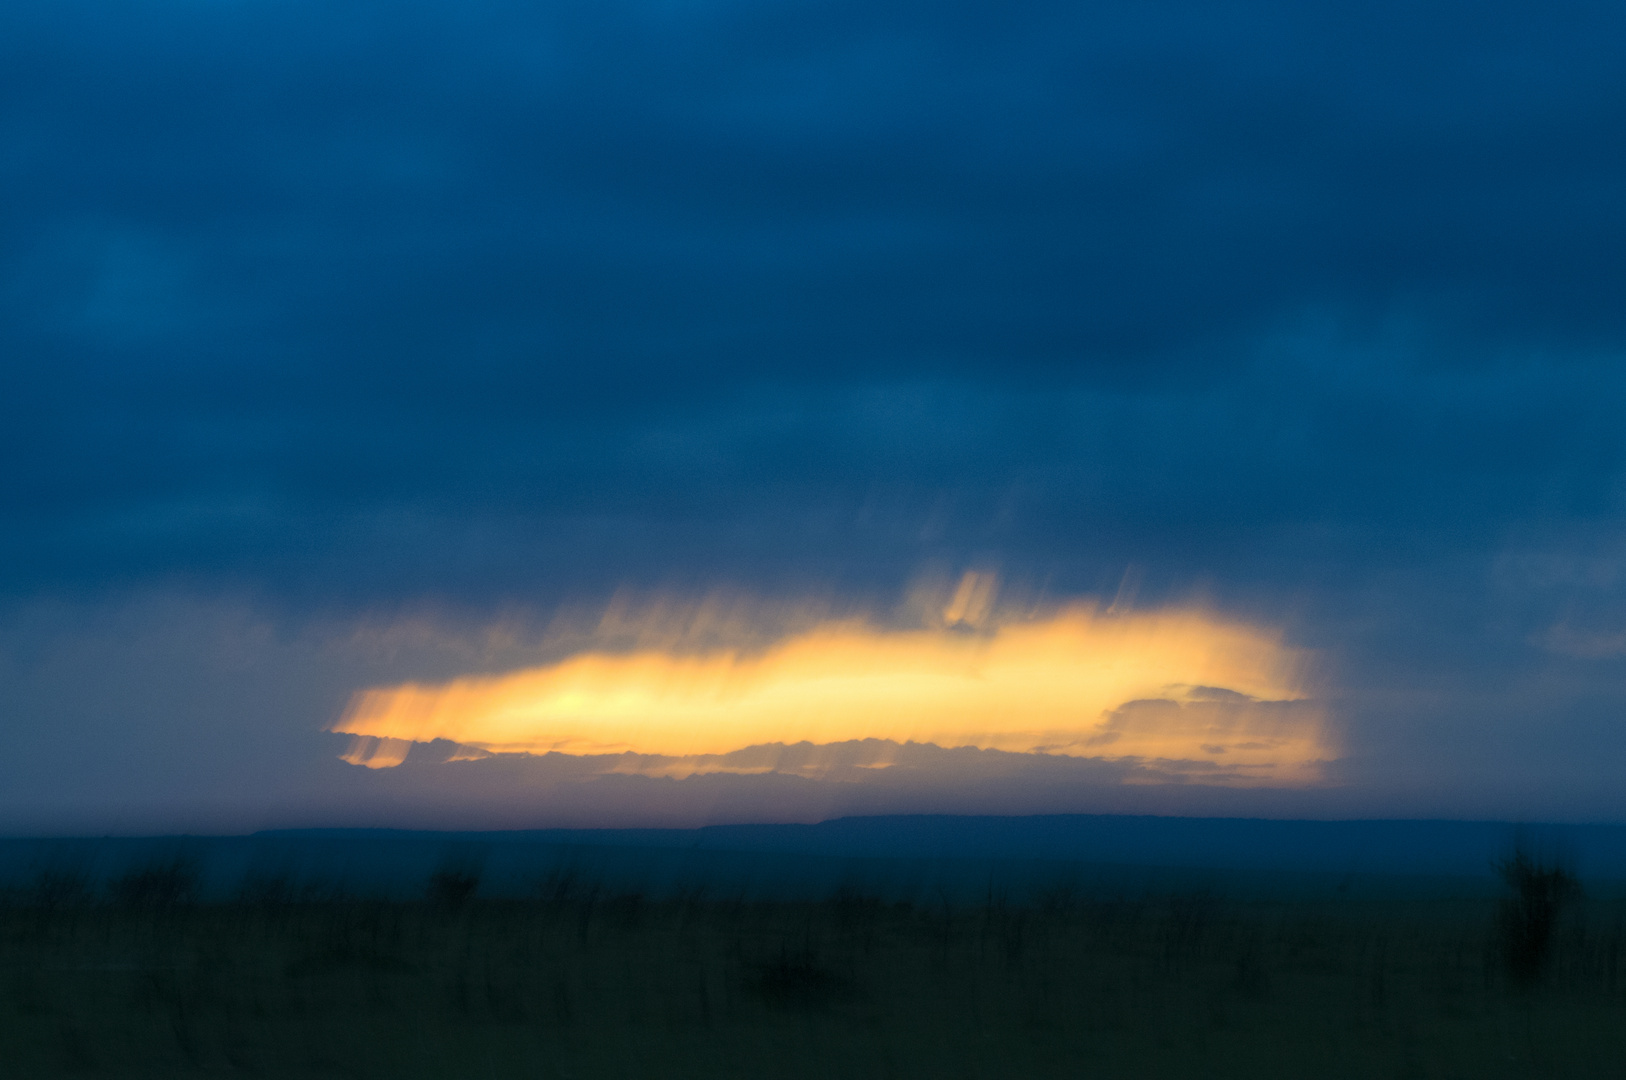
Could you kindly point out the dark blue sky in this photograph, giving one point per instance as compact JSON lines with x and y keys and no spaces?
{"x":314,"y":317}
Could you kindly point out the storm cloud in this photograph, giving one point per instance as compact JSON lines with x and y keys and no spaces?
{"x":314,"y":320}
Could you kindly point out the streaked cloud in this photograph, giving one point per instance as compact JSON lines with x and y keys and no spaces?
{"x":1178,"y":684}
{"x":378,"y":753}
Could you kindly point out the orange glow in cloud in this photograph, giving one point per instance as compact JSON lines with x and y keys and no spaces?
{"x":1172,"y":685}
{"x":377,"y":753}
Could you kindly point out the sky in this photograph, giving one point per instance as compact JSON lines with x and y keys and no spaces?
{"x":827,"y":374}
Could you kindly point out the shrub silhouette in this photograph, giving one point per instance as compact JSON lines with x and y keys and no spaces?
{"x":798,"y":980}
{"x":57,"y":887}
{"x":158,"y":886}
{"x":264,"y":889}
{"x":449,"y":889}
{"x":454,"y":882}
{"x":1527,"y":919}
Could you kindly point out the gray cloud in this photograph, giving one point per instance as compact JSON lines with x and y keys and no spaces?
{"x":478,"y":307}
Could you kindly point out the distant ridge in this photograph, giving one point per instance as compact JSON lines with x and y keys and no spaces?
{"x":965,"y":859}
{"x":1398,"y":846}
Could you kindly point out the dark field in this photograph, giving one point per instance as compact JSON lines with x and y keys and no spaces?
{"x":580,"y":982}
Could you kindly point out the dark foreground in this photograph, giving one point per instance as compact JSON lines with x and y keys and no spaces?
{"x":579,"y":984}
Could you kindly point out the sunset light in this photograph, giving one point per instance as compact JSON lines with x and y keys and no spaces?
{"x":1180,"y":685}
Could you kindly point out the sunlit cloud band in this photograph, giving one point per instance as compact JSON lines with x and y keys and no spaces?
{"x":1179,"y":684}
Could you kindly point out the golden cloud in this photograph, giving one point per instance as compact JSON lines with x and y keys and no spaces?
{"x":1176,"y":684}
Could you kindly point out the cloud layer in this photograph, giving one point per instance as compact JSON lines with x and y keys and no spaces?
{"x":1167,"y":685}
{"x":450,"y":314}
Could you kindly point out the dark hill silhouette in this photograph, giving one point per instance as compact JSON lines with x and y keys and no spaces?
{"x":901,"y":856}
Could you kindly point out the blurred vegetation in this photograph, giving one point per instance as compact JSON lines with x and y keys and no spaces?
{"x":139,"y":979}
{"x":1529,"y":919}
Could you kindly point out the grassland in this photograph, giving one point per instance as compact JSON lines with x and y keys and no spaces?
{"x":578,"y":983}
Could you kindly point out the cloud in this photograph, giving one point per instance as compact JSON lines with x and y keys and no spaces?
{"x":477,"y":308}
{"x":1243,"y":740}
{"x":1071,"y":681}
{"x":385,"y":314}
{"x":376,"y":753}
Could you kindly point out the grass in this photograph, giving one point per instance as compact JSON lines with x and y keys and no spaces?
{"x":578,"y":983}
